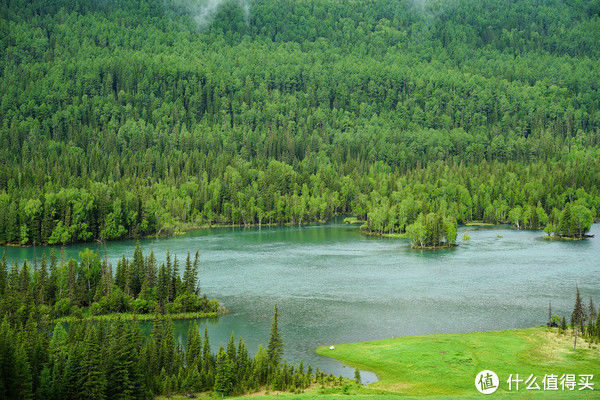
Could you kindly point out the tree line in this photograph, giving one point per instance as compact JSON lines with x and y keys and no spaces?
{"x":528,"y":196}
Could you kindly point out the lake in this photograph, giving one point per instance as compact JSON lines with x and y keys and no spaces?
{"x":334,"y":285}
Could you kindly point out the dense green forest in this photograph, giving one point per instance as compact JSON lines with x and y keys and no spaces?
{"x":115,"y":361}
{"x":73,"y":290}
{"x":123,"y":119}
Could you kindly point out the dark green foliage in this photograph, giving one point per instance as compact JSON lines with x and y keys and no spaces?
{"x":275,"y":348}
{"x":578,"y":315}
{"x":357,"y":376}
{"x":87,"y":288}
{"x":224,"y":377}
{"x":113,"y":361}
{"x":584,"y":321}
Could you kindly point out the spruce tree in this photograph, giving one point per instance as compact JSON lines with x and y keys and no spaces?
{"x":207,"y":361}
{"x":578,"y":315}
{"x":193,"y":346}
{"x":224,"y":374}
{"x":23,"y":379}
{"x":119,"y":384}
{"x":275,"y":347}
{"x":357,"y":376}
{"x":94,"y":381}
{"x":138,"y":270}
{"x":190,"y":272}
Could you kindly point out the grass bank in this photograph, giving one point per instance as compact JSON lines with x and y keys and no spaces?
{"x":446,"y":364}
{"x":138,"y":317}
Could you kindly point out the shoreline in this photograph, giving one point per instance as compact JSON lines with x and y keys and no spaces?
{"x":353,"y":221}
{"x":404,"y":365}
{"x":180,"y":232}
{"x":140,"y":317}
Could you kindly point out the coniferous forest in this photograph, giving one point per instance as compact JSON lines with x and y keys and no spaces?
{"x":125,"y":119}
{"x":114,"y":360}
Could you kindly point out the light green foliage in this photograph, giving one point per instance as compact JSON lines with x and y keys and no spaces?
{"x":574,"y":222}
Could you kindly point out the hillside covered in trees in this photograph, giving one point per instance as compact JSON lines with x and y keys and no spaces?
{"x":123,"y":119}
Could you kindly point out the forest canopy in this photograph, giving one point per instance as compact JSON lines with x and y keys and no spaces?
{"x":124,"y":119}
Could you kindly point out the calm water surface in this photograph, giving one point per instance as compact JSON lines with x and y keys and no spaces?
{"x":334,"y":285}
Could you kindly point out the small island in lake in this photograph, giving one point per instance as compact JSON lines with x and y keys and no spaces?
{"x":572,"y":223}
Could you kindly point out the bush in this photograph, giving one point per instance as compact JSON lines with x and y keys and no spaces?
{"x":173,"y":308}
{"x":189,"y":302}
{"x":96,"y":309}
{"x":212,"y":305}
{"x":116,"y":301}
{"x":62,"y":308}
{"x":76,"y":312}
{"x":140,"y":306}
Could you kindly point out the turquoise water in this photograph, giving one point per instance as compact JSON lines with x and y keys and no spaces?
{"x":334,"y":285}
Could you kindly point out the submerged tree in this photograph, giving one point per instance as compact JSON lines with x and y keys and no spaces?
{"x":432,"y":231}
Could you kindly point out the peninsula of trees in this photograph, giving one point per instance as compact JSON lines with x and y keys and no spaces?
{"x":71,"y":290}
{"x":124,"y":119}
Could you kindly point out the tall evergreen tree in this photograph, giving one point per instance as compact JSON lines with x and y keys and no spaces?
{"x":275,"y":347}
{"x":578,"y":316}
{"x":224,"y":373}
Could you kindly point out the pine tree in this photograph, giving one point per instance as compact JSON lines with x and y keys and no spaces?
{"x":119,"y":384}
{"x":138,"y":270}
{"x":224,"y":374}
{"x":193,"y":346}
{"x":563,"y":324}
{"x":591,"y":311}
{"x":3,"y":273}
{"x":169,"y":278}
{"x":190,"y":273}
{"x":578,"y":315}
{"x":275,"y":347}
{"x":565,"y":223}
{"x":162,"y":289}
{"x":207,"y":361}
{"x":232,"y":355}
{"x":357,"y":376}
{"x":151,"y":270}
{"x":22,"y":374}
{"x":243,"y":363}
{"x":94,"y":381}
